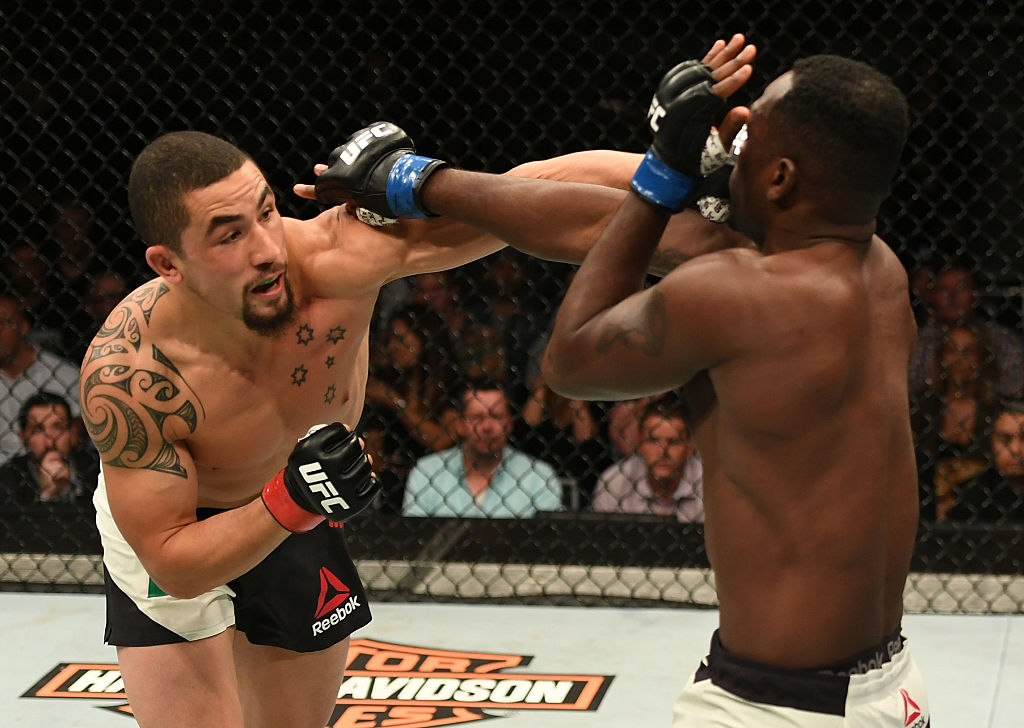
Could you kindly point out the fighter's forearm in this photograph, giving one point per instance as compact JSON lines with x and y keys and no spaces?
{"x":613,"y":271}
{"x":559,"y":211}
{"x":200,"y":556}
{"x":556,"y":221}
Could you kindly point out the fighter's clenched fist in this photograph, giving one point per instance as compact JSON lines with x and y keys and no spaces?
{"x":328,"y":475}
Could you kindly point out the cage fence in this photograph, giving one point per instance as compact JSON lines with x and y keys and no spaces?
{"x":488,"y":86}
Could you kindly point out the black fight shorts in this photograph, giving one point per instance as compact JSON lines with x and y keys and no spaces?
{"x":305,"y":596}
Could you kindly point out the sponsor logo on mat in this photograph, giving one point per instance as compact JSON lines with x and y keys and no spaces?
{"x":388,"y":684}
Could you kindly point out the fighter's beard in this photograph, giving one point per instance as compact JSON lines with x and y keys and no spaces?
{"x":274,"y":323}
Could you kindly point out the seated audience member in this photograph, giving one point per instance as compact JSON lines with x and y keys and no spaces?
{"x":54,"y":468}
{"x":510,"y":287}
{"x":953,"y":298}
{"x":951,"y":418}
{"x":623,"y":424}
{"x":482,"y":476}
{"x":564,"y":432}
{"x":101,"y":291}
{"x":664,"y":477}
{"x":480,"y":349}
{"x":440,"y":292}
{"x":409,"y":410}
{"x":25,"y":370}
{"x":29,"y":279}
{"x":996,"y":495}
{"x":72,"y":236}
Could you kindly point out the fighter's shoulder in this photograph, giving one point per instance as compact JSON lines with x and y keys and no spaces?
{"x":134,"y":394}
{"x":128,"y":326}
{"x":721,"y":266}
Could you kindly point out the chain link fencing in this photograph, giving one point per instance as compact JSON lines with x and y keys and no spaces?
{"x":487,"y":86}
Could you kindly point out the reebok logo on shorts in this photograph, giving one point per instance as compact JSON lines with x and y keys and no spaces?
{"x":911,"y":711}
{"x":335,"y":603}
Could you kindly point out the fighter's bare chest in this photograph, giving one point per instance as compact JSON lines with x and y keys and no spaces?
{"x":255,"y":412}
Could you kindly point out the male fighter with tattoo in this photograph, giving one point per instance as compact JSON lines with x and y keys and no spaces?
{"x":794,"y":357}
{"x":230,"y":594}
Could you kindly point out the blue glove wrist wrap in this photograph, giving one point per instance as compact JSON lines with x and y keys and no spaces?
{"x":659,"y":183}
{"x":401,"y":187}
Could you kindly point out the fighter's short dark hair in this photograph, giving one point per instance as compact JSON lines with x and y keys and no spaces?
{"x":165,"y":171}
{"x":851,"y":117}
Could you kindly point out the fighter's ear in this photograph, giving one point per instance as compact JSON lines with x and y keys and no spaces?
{"x":783,"y":180}
{"x":164,"y":263}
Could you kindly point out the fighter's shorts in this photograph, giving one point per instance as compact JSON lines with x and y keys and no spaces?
{"x":305,"y":596}
{"x":879,"y":689}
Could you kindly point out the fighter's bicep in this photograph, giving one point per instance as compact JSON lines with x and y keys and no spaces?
{"x":629,"y":350}
{"x":149,"y":505}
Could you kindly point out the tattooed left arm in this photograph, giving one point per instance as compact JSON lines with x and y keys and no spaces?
{"x":614,"y":339}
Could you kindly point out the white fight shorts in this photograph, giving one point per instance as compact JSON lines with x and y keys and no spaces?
{"x":882,"y":689}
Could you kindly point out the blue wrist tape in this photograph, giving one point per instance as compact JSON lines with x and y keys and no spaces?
{"x":661,"y":184}
{"x":401,"y":187}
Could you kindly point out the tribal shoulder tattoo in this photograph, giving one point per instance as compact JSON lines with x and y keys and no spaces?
{"x":131,"y":390}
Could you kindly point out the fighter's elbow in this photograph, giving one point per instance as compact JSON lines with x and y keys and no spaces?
{"x":179,"y":586}
{"x":181,"y":591}
{"x":557,"y":368}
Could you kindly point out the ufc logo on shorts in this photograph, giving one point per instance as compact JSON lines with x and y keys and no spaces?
{"x":317,"y":481}
{"x":354,"y":147}
{"x":655,"y":113}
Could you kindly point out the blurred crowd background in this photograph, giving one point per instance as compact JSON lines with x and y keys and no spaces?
{"x":578,"y":487}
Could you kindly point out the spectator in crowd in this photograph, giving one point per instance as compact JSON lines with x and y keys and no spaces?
{"x":664,"y":477}
{"x":480,"y":351}
{"x":439,"y":291}
{"x":623,"y":424}
{"x":952,"y":417}
{"x":516,"y":303}
{"x":26,"y":369}
{"x":74,"y":252}
{"x":564,"y":432}
{"x":409,"y":410}
{"x":954,"y":299}
{"x":54,"y":468}
{"x":482,"y":476}
{"x":921,"y":277}
{"x":103,"y":289}
{"x":996,"y":495}
{"x":27,"y":277}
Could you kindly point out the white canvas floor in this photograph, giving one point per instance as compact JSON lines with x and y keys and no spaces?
{"x":52,"y":645}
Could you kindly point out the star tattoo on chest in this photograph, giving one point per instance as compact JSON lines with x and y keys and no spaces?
{"x":304,"y":334}
{"x":329,"y":394}
{"x":336,"y":334}
{"x":299,"y":375}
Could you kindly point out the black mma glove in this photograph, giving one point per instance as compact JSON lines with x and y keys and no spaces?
{"x":680,"y":117}
{"x":377,"y":169}
{"x":328,"y":475}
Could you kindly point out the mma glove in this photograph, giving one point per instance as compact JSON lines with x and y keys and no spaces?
{"x":378,"y":171}
{"x":328,"y":476}
{"x":680,"y":117}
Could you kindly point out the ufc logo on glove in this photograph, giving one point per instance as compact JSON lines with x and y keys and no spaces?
{"x":655,"y":113}
{"x":317,"y":480}
{"x":358,"y":143}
